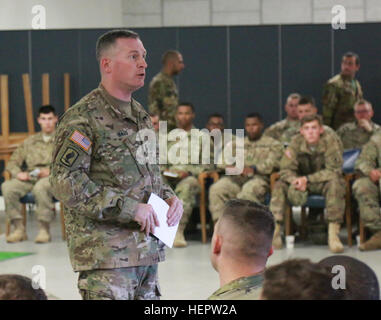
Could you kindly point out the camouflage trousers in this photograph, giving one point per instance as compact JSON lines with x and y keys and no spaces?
{"x":228,"y":188}
{"x":131,"y":283}
{"x":285,"y":195}
{"x":15,"y":189}
{"x":186,"y":190}
{"x":367,"y":195}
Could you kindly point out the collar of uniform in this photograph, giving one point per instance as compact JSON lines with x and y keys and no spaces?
{"x":244,"y":282}
{"x":120,"y":107}
{"x":247,"y":140}
{"x":38,"y":136}
{"x":165,"y":75}
{"x":346,"y":78}
{"x":319,"y":147}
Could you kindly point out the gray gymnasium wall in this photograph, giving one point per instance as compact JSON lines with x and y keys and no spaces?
{"x":231,"y":70}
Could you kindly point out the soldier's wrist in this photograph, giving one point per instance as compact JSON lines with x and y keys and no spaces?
{"x":127,"y":208}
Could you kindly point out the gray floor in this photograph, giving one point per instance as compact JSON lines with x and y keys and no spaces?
{"x":186,"y":273}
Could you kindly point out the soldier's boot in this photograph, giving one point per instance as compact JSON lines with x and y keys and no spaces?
{"x":277,"y":238}
{"x":180,"y":239}
{"x":373,"y":243}
{"x":334,"y":242}
{"x":43,"y":235}
{"x":18,"y":233}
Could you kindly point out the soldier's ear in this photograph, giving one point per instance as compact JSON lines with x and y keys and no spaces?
{"x":217,"y":244}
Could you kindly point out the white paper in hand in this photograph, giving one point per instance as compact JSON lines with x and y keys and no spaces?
{"x":164,"y":232}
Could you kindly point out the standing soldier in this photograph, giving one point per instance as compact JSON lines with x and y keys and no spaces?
{"x":36,"y":153}
{"x":312,"y":166}
{"x":261,"y":157}
{"x":104,"y":188}
{"x":285,"y":129}
{"x":163,"y":96}
{"x":367,"y":190}
{"x":357,"y":133}
{"x":341,"y":92}
{"x":183,"y":177}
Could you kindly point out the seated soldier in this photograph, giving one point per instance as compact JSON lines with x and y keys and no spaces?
{"x":285,"y":129}
{"x":366,"y":190}
{"x":36,"y":153}
{"x":241,"y":245}
{"x":261,"y":157}
{"x":312,"y":166}
{"x":355,"y":134}
{"x":301,"y":279}
{"x":183,"y":177}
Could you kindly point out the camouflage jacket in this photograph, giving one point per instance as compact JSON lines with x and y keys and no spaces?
{"x":163,"y":98}
{"x":353,"y":136}
{"x":319,"y":164}
{"x":283,"y":130}
{"x":179,"y":147}
{"x":370,"y":156}
{"x":264,"y":154}
{"x":34,"y":151}
{"x":339,"y":97}
{"x":246,"y":288}
{"x":95,"y":173}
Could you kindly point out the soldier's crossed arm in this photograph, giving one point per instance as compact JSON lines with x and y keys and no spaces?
{"x":70,"y":180}
{"x":16,"y":160}
{"x":333,"y":165}
{"x":367,"y":161}
{"x":329,"y":103}
{"x":289,"y":165}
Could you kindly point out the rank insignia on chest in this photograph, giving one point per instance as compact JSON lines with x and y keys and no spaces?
{"x":69,"y":157}
{"x":81,"y":140}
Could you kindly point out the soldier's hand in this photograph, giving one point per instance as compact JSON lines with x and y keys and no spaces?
{"x":175,"y":211}
{"x":182,"y":174}
{"x":364,"y":123}
{"x":146,"y":217}
{"x":247,"y":171}
{"x":44,"y":173}
{"x":375,"y":175}
{"x":23,"y":176}
{"x":300,"y":183}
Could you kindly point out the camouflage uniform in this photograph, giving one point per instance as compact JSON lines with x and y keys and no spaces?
{"x":366,"y":192}
{"x":353,"y":136}
{"x":246,"y":288}
{"x":283,"y":130}
{"x":188,"y":188}
{"x":36,"y":153}
{"x":264,"y":155}
{"x":339,"y":97}
{"x":163,"y":98}
{"x":322,"y":167}
{"x":95,"y":173}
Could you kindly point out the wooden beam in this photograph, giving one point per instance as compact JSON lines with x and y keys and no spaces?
{"x":4,"y":107}
{"x":66,"y":91}
{"x":45,"y":89}
{"x":28,"y":103}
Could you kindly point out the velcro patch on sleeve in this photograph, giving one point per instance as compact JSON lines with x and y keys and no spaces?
{"x":69,"y":156}
{"x":81,"y":140}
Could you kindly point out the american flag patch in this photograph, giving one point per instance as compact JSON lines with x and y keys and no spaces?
{"x":81,"y":140}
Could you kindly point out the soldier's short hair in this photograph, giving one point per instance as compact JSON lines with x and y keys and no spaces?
{"x":365,"y":284}
{"x":254,"y":223}
{"x":215,"y":115}
{"x":312,"y":117}
{"x":17,"y":287}
{"x":168,"y":55}
{"x":153,"y":114}
{"x":300,"y":279}
{"x":363,"y":102}
{"x":350,"y":54}
{"x":307,"y":100}
{"x":45,"y":109}
{"x":293,"y":96}
{"x":188,"y":104}
{"x":108,"y":39}
{"x":254,"y":115}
